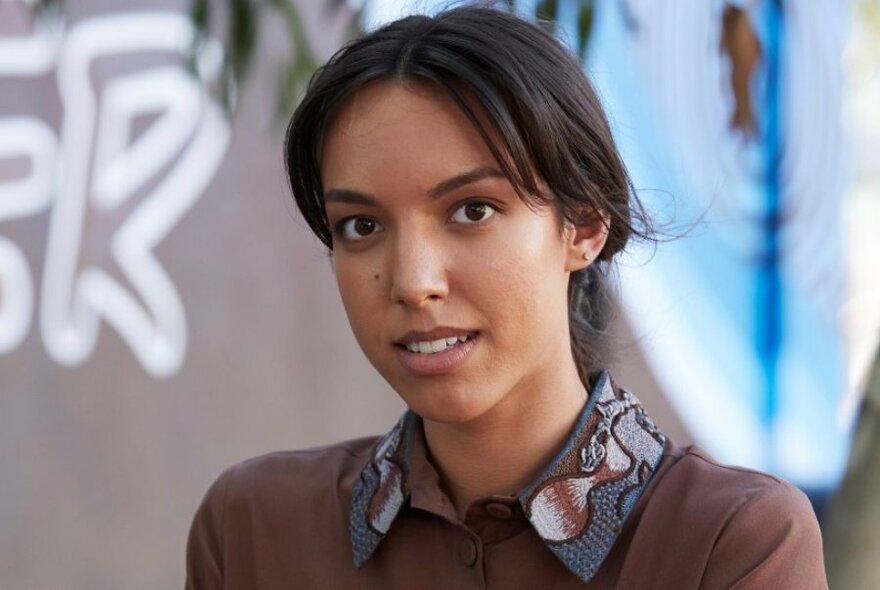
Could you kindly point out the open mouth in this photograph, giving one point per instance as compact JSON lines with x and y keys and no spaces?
{"x":428,"y":347}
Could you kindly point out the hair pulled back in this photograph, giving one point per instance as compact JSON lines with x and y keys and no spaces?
{"x":547,"y":120}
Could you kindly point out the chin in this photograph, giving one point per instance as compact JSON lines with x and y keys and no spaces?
{"x":447,"y":414}
{"x":446,"y":404}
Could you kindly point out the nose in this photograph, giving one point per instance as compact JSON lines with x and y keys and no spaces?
{"x":418,"y":273}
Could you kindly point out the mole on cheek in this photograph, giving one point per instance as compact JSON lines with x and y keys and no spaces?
{"x":376,"y":277}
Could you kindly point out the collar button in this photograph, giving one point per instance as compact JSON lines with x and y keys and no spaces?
{"x":499,"y":511}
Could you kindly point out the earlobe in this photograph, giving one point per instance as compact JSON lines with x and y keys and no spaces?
{"x":585,"y":242}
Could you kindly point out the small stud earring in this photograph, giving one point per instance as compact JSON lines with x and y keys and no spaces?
{"x":586,"y":256}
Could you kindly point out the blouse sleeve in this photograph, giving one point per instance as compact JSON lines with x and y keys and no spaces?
{"x":771,"y":541}
{"x":204,"y":548}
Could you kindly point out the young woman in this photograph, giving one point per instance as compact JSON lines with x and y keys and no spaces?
{"x":462,"y":173}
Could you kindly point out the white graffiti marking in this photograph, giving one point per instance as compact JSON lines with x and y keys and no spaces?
{"x":34,"y":140}
{"x":29,"y":56}
{"x":102,"y":167}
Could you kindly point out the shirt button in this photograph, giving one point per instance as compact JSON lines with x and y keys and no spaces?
{"x":467,"y":552}
{"x":499,"y":511}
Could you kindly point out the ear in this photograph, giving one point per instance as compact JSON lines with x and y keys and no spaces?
{"x":584,"y":242}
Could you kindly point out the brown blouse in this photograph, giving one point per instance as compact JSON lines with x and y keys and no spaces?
{"x":620,"y":506}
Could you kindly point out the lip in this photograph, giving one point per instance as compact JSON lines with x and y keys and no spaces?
{"x":437,"y":363}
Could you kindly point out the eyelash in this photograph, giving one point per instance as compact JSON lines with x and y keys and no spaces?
{"x":340,"y":227}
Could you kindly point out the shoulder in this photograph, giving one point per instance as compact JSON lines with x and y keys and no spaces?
{"x":726,"y":487}
{"x":753,"y":529}
{"x":273,"y":502}
{"x":284,"y":484}
{"x":730,"y":498}
{"x":293,"y":473}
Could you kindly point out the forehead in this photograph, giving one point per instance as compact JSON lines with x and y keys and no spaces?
{"x":393,"y":130}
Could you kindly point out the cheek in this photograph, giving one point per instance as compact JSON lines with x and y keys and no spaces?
{"x":359,"y":288}
{"x":521,"y":279}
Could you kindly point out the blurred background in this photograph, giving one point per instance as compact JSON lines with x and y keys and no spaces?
{"x":165,"y":313}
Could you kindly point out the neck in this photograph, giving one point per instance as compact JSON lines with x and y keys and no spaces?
{"x":505,"y":449}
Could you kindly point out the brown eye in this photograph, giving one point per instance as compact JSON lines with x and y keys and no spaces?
{"x":471,"y":213}
{"x":358,"y":228}
{"x":364,"y":227}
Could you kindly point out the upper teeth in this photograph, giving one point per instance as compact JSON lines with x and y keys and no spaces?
{"x":432,"y":346}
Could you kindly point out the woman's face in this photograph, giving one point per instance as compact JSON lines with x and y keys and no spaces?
{"x":454,"y":288}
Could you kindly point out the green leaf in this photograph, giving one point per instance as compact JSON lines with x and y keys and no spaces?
{"x":547,"y":9}
{"x":585,"y":26}
{"x":242,"y":36}
{"x":302,"y":63}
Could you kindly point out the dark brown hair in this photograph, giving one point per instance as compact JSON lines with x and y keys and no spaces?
{"x":542,"y":108}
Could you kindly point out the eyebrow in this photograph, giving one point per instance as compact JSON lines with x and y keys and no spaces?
{"x":450,"y":184}
{"x":353,"y":197}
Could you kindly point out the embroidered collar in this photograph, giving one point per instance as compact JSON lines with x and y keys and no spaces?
{"x":577,"y":506}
